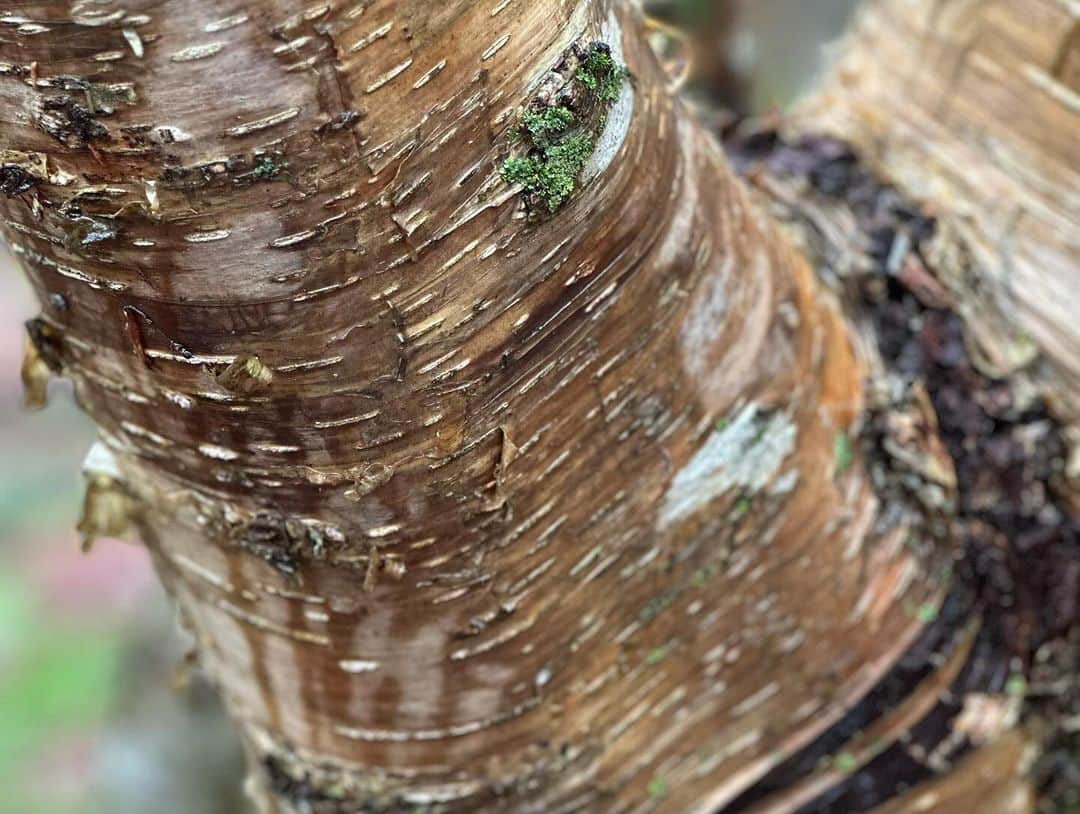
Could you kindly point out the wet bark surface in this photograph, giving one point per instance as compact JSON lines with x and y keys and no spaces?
{"x":466,"y":505}
{"x":471,"y":505}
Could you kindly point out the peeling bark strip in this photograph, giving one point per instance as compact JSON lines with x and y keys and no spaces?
{"x":465,"y":510}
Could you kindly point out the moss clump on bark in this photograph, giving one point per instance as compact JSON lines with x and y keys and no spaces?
{"x":266,"y":167}
{"x":558,"y":138}
{"x":546,"y":125}
{"x":550,"y":176}
{"x":600,"y":73}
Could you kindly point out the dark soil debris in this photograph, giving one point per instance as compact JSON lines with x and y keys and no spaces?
{"x":14,"y":180}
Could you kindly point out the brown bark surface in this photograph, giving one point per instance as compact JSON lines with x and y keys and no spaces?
{"x":465,"y":506}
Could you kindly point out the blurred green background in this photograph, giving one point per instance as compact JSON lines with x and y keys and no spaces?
{"x":89,"y":720}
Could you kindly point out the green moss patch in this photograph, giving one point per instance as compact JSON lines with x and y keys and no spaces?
{"x":600,"y":73}
{"x":267,"y":166}
{"x":547,"y":125}
{"x":550,"y":176}
{"x":555,"y":139}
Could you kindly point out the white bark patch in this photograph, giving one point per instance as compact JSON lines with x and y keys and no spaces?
{"x":218,"y":453}
{"x":225,"y":23}
{"x":358,"y":665}
{"x":134,"y":41}
{"x":207,"y":237}
{"x":706,"y":317}
{"x":617,"y":125}
{"x":494,"y":48}
{"x":167,"y":134}
{"x":745,"y":453}
{"x":196,"y":52}
{"x":389,"y":75}
{"x":100,"y":461}
{"x":721,"y":358}
{"x":264,"y":123}
{"x":371,"y":37}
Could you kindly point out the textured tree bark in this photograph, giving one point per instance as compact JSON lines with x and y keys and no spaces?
{"x":969,"y":109}
{"x":972,"y":108}
{"x":468,"y":504}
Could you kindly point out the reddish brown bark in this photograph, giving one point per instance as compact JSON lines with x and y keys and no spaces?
{"x":464,"y":507}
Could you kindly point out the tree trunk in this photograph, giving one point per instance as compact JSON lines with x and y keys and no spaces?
{"x":541,"y":496}
{"x":972,"y":108}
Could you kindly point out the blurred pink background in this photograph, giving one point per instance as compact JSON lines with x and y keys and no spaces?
{"x":89,"y":720}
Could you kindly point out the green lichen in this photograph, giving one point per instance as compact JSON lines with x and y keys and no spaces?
{"x":658,"y":788}
{"x":845,"y":762}
{"x":266,"y":167}
{"x":600,"y":73}
{"x":1016,"y":686}
{"x":926,"y":613}
{"x":740,"y":509}
{"x":547,"y":125}
{"x":655,"y":606}
{"x":842,"y":452}
{"x":550,"y":175}
{"x":655,"y":656}
{"x":702,"y":576}
{"x":557,"y":140}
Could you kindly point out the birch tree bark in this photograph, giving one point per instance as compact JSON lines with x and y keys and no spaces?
{"x":972,"y":109}
{"x":476,"y":495}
